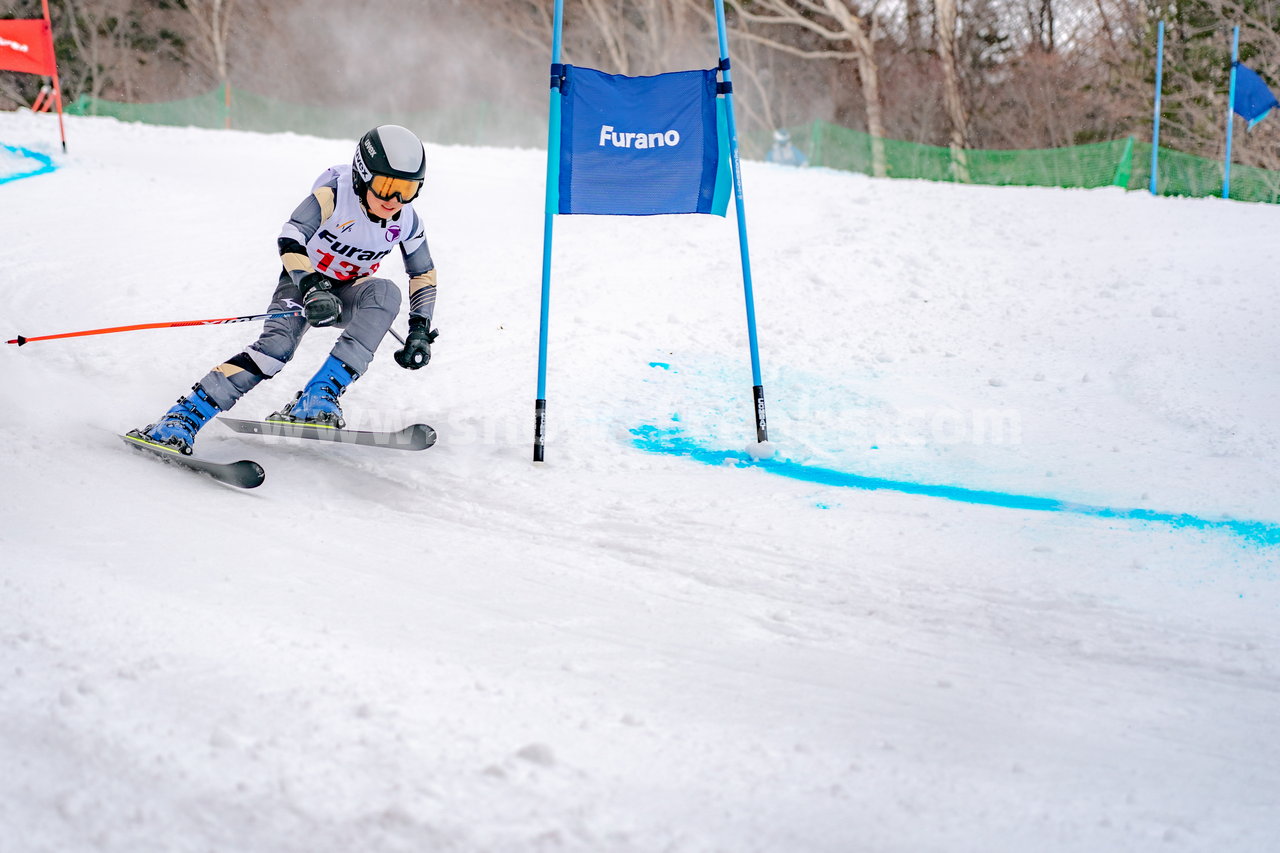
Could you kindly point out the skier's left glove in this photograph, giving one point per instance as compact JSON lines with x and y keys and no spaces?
{"x":417,"y":344}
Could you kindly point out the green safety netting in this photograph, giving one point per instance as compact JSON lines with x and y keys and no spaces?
{"x":1121,"y":162}
{"x":475,"y":123}
{"x":1186,"y":174}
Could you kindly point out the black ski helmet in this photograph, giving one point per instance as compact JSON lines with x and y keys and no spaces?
{"x":391,"y":151}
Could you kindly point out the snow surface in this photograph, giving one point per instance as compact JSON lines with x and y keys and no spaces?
{"x":646,"y":644}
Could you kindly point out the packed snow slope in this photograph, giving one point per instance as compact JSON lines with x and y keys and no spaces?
{"x":1008,"y":584}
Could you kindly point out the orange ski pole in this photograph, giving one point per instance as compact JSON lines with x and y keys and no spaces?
{"x":20,"y":340}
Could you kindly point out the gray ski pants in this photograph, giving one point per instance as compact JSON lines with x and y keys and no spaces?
{"x":369,"y":307}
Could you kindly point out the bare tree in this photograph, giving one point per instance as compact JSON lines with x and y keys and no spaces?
{"x":1260,"y":51}
{"x":106,"y":49}
{"x":211,"y":22}
{"x":916,"y":39}
{"x":114,"y":40}
{"x":1197,"y":54}
{"x":946,"y":35}
{"x":625,"y":36}
{"x":1041,"y":24}
{"x":528,"y":21}
{"x":977,"y":74}
{"x":833,"y":22}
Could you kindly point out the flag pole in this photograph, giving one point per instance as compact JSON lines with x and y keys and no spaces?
{"x":552,"y":193}
{"x":1155,"y":121}
{"x":1231,"y":103}
{"x":757,"y":390}
{"x":57,"y":86}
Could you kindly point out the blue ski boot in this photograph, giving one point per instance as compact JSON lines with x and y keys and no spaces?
{"x":317,"y":403}
{"x":178,"y":427}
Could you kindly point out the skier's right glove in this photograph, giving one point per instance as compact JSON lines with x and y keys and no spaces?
{"x":320,"y":305}
{"x":417,"y":344}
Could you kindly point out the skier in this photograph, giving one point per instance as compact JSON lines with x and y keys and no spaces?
{"x":331,"y":249}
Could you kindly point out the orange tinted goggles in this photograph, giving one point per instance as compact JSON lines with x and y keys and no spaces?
{"x":387,"y":188}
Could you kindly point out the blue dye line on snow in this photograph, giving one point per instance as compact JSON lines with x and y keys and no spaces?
{"x":674,"y":443}
{"x":46,"y":163}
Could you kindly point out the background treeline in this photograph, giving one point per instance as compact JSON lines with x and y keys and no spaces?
{"x":959,"y":73}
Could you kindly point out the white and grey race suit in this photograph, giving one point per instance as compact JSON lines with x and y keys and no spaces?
{"x":333,"y":234}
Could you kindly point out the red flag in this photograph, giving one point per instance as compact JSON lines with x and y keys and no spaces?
{"x":27,"y":46}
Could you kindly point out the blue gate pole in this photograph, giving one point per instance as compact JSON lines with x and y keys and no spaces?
{"x":552,"y":195}
{"x":1231,"y":103}
{"x":762,"y":423}
{"x":1155,"y":121}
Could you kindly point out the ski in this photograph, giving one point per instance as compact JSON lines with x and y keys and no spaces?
{"x":412,"y":437}
{"x":243,"y":474}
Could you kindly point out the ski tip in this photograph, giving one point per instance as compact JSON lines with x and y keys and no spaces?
{"x":252,"y":474}
{"x":423,"y":436}
{"x":245,"y":474}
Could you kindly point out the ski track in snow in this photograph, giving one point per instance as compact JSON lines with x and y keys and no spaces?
{"x":625,"y":650}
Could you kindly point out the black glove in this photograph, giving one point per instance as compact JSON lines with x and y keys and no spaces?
{"x":320,"y":305}
{"x":417,"y":345}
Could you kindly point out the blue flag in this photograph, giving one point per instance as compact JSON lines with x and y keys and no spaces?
{"x":639,"y":146}
{"x":1253,"y":99}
